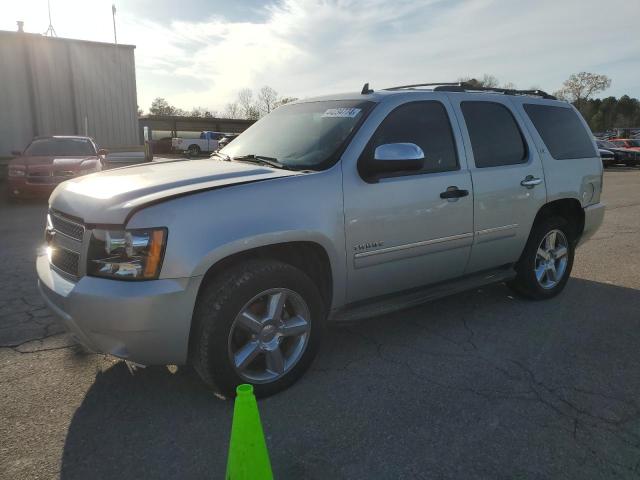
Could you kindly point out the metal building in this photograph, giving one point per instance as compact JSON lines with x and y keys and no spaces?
{"x":60,"y":86}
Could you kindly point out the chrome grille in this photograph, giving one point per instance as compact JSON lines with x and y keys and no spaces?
{"x":65,"y":260}
{"x":67,"y":227}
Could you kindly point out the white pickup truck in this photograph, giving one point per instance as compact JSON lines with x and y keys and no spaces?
{"x":208,"y":142}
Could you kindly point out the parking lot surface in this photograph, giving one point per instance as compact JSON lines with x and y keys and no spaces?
{"x":478,"y":385}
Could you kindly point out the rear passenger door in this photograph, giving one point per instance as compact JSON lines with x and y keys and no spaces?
{"x":507,"y":174}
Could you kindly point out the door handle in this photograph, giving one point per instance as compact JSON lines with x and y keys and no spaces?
{"x":454,"y":192}
{"x":530,"y":181}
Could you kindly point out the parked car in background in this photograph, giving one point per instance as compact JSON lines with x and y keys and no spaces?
{"x":623,"y":149}
{"x":163,"y":145}
{"x":630,"y":143}
{"x":607,"y":156}
{"x":609,"y":153}
{"x":334,"y":208}
{"x":208,"y":142}
{"x":48,"y":161}
{"x":227,"y":139}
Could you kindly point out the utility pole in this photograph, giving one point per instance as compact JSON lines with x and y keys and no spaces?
{"x":50,"y":31}
{"x":113,"y":14}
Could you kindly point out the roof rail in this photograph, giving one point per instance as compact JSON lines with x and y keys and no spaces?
{"x":468,"y":87}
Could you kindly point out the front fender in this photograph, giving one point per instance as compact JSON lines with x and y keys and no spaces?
{"x":207,"y":227}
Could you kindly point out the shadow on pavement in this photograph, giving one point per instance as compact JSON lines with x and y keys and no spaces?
{"x":478,"y":385}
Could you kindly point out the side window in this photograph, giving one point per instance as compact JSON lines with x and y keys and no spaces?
{"x":424,"y":123}
{"x":561,"y":130}
{"x":495,"y":137}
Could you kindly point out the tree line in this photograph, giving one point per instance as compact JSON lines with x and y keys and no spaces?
{"x":602,"y":114}
{"x":246,"y":106}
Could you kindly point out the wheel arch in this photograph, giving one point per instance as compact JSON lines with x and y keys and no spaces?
{"x":567,"y":208}
{"x":309,"y":256}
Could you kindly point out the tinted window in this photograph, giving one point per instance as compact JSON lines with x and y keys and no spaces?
{"x":427,"y":125}
{"x":60,"y":146}
{"x":562,"y":131}
{"x":495,"y":136}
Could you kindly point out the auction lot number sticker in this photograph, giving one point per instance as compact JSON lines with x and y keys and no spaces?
{"x":341,"y":112}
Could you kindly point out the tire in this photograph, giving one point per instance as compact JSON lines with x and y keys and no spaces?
{"x":529,"y":282}
{"x":193,"y":150}
{"x":219,"y":337}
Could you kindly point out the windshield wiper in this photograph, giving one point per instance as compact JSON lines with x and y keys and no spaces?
{"x":221,"y":155}
{"x":261,"y":160}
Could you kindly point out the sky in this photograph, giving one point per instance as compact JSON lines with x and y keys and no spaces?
{"x":198,"y":53}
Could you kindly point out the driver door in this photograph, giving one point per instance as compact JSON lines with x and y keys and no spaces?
{"x":400,"y":231}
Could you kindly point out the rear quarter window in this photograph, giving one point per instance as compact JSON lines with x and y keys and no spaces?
{"x":561,"y":131}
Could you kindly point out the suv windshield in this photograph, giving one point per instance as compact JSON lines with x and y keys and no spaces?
{"x":60,"y":146}
{"x":302,"y":135}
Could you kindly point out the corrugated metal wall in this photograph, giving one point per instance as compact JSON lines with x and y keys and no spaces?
{"x":48,"y":86}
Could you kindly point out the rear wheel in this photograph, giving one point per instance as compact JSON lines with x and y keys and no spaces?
{"x":193,"y":150}
{"x":260,"y":323}
{"x":545,"y":265}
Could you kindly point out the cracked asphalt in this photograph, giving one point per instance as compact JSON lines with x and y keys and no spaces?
{"x":478,"y":385}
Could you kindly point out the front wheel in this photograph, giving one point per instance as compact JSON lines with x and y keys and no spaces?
{"x":260,"y":323}
{"x":545,"y":265}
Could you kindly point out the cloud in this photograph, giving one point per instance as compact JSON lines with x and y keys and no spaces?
{"x":305,"y":48}
{"x":309,"y":47}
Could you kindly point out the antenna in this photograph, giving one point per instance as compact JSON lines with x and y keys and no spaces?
{"x":365,"y":89}
{"x":51,"y":32}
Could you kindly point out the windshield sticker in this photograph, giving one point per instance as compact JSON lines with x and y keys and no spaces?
{"x":341,"y":112}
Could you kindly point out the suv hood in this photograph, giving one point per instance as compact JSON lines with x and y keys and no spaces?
{"x":107,"y":197}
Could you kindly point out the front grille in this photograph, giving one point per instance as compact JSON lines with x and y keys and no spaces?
{"x":65,"y":260}
{"x":67,"y":227}
{"x":41,"y":180}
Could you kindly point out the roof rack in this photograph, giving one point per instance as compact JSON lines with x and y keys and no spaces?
{"x":468,"y":87}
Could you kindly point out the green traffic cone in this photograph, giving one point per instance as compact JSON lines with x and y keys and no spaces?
{"x":248,"y":456}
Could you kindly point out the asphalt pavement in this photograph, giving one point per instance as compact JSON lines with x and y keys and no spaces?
{"x":478,"y":385}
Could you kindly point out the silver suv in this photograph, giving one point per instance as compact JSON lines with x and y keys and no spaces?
{"x":329,"y":209}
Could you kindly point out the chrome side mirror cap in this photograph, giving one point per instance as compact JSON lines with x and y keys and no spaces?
{"x":395,"y":157}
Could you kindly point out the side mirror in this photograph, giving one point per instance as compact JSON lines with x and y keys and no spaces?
{"x":16,"y":153}
{"x":103,"y":152}
{"x":397,"y":157}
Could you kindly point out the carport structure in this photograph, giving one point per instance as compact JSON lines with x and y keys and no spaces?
{"x":175,"y":126}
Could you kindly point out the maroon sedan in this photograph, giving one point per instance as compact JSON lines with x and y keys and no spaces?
{"x":48,"y":161}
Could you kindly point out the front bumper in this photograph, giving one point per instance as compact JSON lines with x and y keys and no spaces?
{"x":593,"y":217}
{"x":147,"y":322}
{"x":20,"y":187}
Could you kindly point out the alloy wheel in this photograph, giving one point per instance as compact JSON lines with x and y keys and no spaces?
{"x":552,"y":257}
{"x":269,"y":335}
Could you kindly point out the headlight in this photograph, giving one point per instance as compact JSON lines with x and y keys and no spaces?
{"x":127,"y":254}
{"x":17,"y":171}
{"x":87,"y":170}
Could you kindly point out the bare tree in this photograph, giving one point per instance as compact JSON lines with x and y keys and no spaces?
{"x":267,"y":99}
{"x":202,"y":112}
{"x":245,"y":102}
{"x":579,"y":87}
{"x":232,"y":110}
{"x":487,"y":81}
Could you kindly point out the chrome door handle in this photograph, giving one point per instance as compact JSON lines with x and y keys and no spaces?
{"x":530,"y":181}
